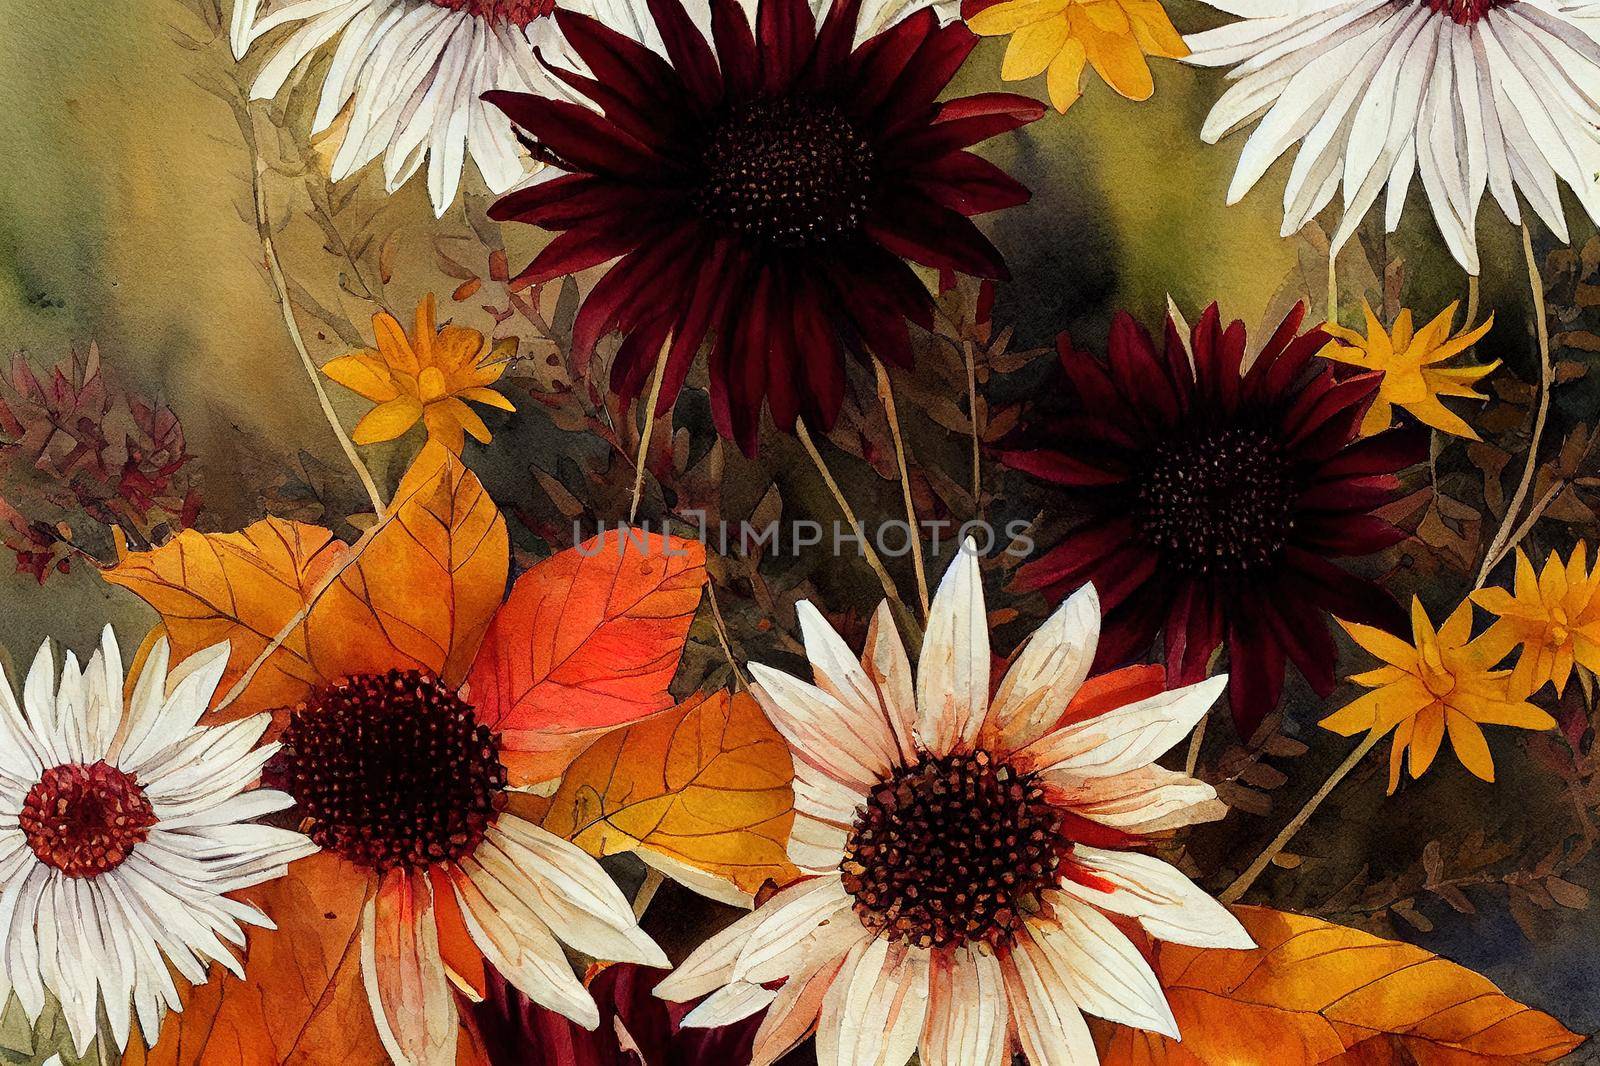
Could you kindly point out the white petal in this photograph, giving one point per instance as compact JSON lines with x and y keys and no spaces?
{"x":1146,"y":800}
{"x":953,"y":671}
{"x":855,"y":750}
{"x":404,"y":974}
{"x":967,"y":1011}
{"x":1049,"y":1026}
{"x":875,"y":1009}
{"x":1167,"y":904}
{"x":773,"y":950}
{"x":1048,"y":672}
{"x":837,"y":672}
{"x":729,"y":1004}
{"x":1128,"y":737}
{"x":1099,"y":965}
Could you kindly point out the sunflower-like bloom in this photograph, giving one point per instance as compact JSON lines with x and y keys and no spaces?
{"x":428,"y":375}
{"x":1554,"y":616}
{"x":1057,"y":37}
{"x":1410,"y":361}
{"x":1441,"y":682}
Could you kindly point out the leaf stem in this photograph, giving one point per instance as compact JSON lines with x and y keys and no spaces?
{"x":1333,"y":286}
{"x":970,"y":351}
{"x":886,"y":397}
{"x":649,"y":427}
{"x":280,"y":287}
{"x":653,"y":879}
{"x":1504,"y":540}
{"x":722,"y":632}
{"x":867,"y":549}
{"x":1242,"y":884}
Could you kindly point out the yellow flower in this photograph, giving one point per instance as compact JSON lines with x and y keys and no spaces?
{"x":1412,"y":376}
{"x":426,"y":376}
{"x":1440,"y":682}
{"x":1554,"y":616}
{"x":1059,"y":36}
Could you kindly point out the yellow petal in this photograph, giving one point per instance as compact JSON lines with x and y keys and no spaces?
{"x":1065,"y":80}
{"x":1521,"y":715}
{"x":488,"y":397}
{"x":1386,"y":646}
{"x":431,"y":384}
{"x":1009,"y":17}
{"x":387,"y":421}
{"x":1402,"y":330}
{"x":1112,"y":51}
{"x":459,"y":415}
{"x":1033,"y":47}
{"x":1154,"y":30}
{"x":1397,"y":751}
{"x":1458,"y":627}
{"x":1470,"y":747}
{"x":363,"y":373}
{"x":393,"y":344}
{"x":1425,"y":740}
{"x":422,"y":343}
{"x":1379,"y":710}
{"x":443,"y":428}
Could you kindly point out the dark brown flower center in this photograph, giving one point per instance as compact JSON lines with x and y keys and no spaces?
{"x":517,"y":13}
{"x":391,"y":770}
{"x":1218,"y":503}
{"x":788,"y":171}
{"x":1465,"y":12}
{"x":953,"y":850}
{"x":85,"y":820}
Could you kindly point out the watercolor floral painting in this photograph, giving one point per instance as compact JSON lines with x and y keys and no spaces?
{"x":805,"y":532}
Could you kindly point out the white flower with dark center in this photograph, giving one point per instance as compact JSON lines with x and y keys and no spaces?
{"x":1502,"y":95}
{"x":122,"y":831}
{"x":965,"y":848}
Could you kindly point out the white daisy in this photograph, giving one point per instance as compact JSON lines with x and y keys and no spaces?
{"x":966,"y":848}
{"x":1471,"y":94}
{"x":413,"y":73}
{"x":122,"y":829}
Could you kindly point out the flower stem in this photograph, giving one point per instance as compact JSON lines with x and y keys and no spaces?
{"x":653,"y":879}
{"x":649,"y":427}
{"x":886,"y":397}
{"x":867,"y":549}
{"x":280,"y":288}
{"x":1503,"y":540}
{"x":722,"y":633}
{"x":1333,"y":286}
{"x":969,"y":349}
{"x":1242,"y":884}
{"x":1472,"y":300}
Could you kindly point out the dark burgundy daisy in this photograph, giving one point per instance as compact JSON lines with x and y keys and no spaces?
{"x":763,"y":190}
{"x":1218,"y":498}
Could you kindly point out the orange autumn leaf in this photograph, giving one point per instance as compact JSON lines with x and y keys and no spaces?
{"x":302,"y":1001}
{"x":589,"y":639}
{"x":424,"y":589}
{"x":417,"y":592}
{"x":1314,"y":992}
{"x":243,"y":588}
{"x":709,"y":783}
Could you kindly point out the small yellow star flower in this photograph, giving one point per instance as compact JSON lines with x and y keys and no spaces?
{"x":1412,"y":376}
{"x":426,"y":376}
{"x":1441,"y":682}
{"x":1554,"y":616}
{"x":1060,"y":36}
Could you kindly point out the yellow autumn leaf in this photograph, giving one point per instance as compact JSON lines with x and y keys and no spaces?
{"x":1314,"y":992}
{"x":708,"y":783}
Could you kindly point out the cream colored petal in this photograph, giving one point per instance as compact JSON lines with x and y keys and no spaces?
{"x":953,"y":671}
{"x":1150,"y":799}
{"x":874,"y":1011}
{"x":1166,"y":903}
{"x":1047,"y":673}
{"x":837,"y":671}
{"x":967,"y":1010}
{"x":404,"y":973}
{"x":1104,"y":971}
{"x":1128,"y":737}
{"x":857,"y":750}
{"x":1048,"y":1024}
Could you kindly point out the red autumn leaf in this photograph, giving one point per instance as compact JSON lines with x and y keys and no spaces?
{"x":588,"y":639}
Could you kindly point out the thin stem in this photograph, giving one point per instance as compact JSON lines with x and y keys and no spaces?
{"x":1333,"y":287}
{"x":649,"y":427}
{"x":1502,"y":541}
{"x":653,"y":879}
{"x":886,"y":397}
{"x":1196,"y":742}
{"x":280,"y":288}
{"x":970,"y":350}
{"x":722,"y":633}
{"x":1242,"y":885}
{"x":1472,"y":300}
{"x":867,"y":549}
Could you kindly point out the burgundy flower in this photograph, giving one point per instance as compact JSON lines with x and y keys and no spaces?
{"x":1218,"y":497}
{"x":763,"y":189}
{"x":636,"y":1029}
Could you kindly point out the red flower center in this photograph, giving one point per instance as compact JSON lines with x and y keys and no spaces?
{"x":515,"y":12}
{"x":85,"y":820}
{"x":1221,"y":502}
{"x":953,"y":850}
{"x":391,"y":770}
{"x":788,"y":171}
{"x":1466,"y":12}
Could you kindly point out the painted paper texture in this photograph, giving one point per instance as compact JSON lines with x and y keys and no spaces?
{"x":799,"y":532}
